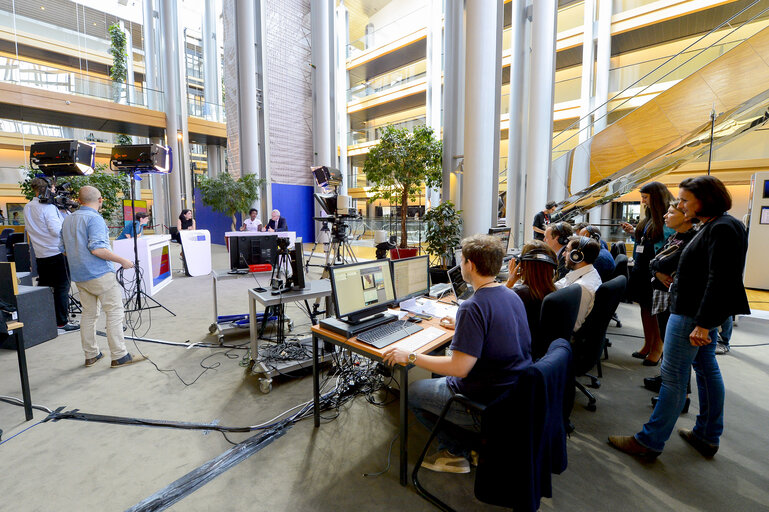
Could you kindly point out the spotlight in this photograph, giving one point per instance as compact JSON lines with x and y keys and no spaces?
{"x":63,"y":157}
{"x":141,"y":158}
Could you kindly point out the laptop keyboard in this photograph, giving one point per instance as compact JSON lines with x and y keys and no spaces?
{"x":389,"y":333}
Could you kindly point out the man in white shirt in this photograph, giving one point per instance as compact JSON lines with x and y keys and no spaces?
{"x":43,"y":226}
{"x":253,"y":223}
{"x":581,"y":252}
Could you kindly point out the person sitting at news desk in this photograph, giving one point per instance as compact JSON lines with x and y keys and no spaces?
{"x":276,"y":223}
{"x":252,"y":223}
{"x":491,"y":346}
{"x":136,"y":227}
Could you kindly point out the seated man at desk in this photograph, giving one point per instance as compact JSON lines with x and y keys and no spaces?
{"x":491,"y":346}
{"x":276,"y":223}
{"x":252,"y":223}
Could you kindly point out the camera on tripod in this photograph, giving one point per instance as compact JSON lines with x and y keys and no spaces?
{"x":62,"y":198}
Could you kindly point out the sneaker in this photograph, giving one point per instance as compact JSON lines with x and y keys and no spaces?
{"x":92,"y":360}
{"x":721,"y":349}
{"x":62,"y":329}
{"x":474,"y":458}
{"x":446,"y":462}
{"x":126,"y":360}
{"x":706,"y":449}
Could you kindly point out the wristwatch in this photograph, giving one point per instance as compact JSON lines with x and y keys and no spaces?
{"x":412,"y":358}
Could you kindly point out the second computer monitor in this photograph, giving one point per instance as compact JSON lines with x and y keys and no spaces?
{"x":411,"y":277}
{"x":362,"y":289}
{"x":503,"y":234}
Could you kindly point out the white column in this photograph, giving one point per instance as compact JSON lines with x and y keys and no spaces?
{"x":129,"y":79}
{"x":151,"y":61}
{"x":481,"y":98}
{"x":603,"y":62}
{"x":342,"y":32}
{"x":453,"y":101}
{"x":541,"y":90}
{"x":588,"y":57}
{"x":515,"y":131}
{"x":434,"y":81}
{"x":323,"y":93}
{"x":211,"y":82}
{"x":249,"y":125}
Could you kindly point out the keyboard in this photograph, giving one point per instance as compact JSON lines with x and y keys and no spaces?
{"x":420,"y":339}
{"x":389,"y":333}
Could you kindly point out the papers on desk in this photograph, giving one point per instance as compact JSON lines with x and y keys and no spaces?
{"x":429,"y":307}
{"x":396,"y":313}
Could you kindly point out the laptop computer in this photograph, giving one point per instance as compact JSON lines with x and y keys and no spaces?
{"x":462,"y":290}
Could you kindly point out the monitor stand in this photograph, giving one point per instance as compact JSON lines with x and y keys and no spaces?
{"x":350,"y":330}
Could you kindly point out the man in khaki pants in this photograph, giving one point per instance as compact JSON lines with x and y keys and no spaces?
{"x":85,"y":241}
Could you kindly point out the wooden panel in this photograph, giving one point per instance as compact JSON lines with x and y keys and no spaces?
{"x":210,"y":129}
{"x":687,"y":106}
{"x":760,"y":44}
{"x":611,"y":151}
{"x":648,"y":132}
{"x":738,"y":75}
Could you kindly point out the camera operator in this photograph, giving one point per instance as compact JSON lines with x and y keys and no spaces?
{"x":44,"y":221}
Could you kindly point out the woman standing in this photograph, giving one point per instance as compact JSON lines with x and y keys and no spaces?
{"x":706,"y":290}
{"x":650,"y":235}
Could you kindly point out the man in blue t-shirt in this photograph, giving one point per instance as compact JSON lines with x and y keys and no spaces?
{"x":491,"y":346}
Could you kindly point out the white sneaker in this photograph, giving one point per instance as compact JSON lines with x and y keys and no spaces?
{"x":446,"y":462}
{"x":721,"y":349}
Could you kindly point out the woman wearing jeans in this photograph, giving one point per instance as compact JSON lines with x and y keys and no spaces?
{"x":707,"y":289}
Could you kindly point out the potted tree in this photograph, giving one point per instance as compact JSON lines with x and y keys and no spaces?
{"x":399,"y":166}
{"x":443,"y":227}
{"x":227,"y":195}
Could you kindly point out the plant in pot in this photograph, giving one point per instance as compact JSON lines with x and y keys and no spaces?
{"x":228,"y":195}
{"x":443,"y":227}
{"x":399,"y":166}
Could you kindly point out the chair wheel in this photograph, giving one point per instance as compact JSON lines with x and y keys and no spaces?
{"x":265,"y":385}
{"x":591,"y":407}
{"x":594,"y":383}
{"x":212,"y":328}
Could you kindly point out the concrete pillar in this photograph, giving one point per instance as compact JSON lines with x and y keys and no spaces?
{"x":323,"y":91}
{"x":517,"y":121}
{"x":342,"y":32}
{"x":453,"y":102}
{"x":541,"y":91}
{"x":129,"y":49}
{"x":212,"y":90}
{"x":588,"y":58}
{"x":481,"y":126}
{"x":151,"y":61}
{"x":434,"y":81}
{"x":602,"y":64}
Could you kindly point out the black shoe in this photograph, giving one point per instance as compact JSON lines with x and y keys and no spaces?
{"x":639,"y":355}
{"x":706,"y":449}
{"x":685,"y":408}
{"x":653,"y":383}
{"x":649,"y":362}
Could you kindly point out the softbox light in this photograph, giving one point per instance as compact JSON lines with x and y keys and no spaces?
{"x":63,"y":157}
{"x":141,"y":158}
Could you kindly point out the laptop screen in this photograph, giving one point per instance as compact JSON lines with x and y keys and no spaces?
{"x":462,"y":290}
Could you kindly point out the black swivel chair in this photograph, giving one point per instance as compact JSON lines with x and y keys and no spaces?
{"x":5,"y":233}
{"x":522,"y":439}
{"x":557,"y":318}
{"x":618,"y":248}
{"x":620,"y":269}
{"x":589,"y":340}
{"x":13,"y":239}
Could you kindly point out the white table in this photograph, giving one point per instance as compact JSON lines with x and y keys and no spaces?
{"x":154,"y":260}
{"x":196,"y":245}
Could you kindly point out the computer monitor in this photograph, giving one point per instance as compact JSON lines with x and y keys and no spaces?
{"x":297,"y":266}
{"x":252,"y":250}
{"x":411,"y":277}
{"x":360,"y":290}
{"x":503,"y":234}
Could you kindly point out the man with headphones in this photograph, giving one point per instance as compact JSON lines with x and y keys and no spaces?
{"x":44,"y":220}
{"x":582,"y":252}
{"x":557,"y":236}
{"x":604,"y":263}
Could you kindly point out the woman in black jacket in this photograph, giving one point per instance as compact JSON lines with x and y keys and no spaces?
{"x":706,"y":290}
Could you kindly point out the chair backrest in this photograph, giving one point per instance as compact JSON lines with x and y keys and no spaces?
{"x":22,"y":255}
{"x":620,"y":268}
{"x":557,"y":318}
{"x":13,"y":239}
{"x":588,"y":341}
{"x":618,"y":248}
{"x":173,"y":230}
{"x":5,"y":233}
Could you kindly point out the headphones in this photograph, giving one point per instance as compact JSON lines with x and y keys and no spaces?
{"x":576,"y":255}
{"x":559,"y":230}
{"x":541,"y":255}
{"x":595,"y":233}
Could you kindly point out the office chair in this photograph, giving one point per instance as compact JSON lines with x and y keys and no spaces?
{"x":589,"y":340}
{"x":24,"y":256}
{"x":618,"y":248}
{"x":5,"y":233}
{"x":557,"y":318}
{"x":13,"y":239}
{"x":522,"y":439}
{"x":620,"y":260}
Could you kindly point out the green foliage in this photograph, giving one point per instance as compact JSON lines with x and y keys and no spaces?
{"x":443,"y":226}
{"x":229,"y":196}
{"x":119,"y":69}
{"x":401,"y":164}
{"x":113,"y":187}
{"x":123,"y":139}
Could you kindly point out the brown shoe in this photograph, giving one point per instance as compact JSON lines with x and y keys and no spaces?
{"x":92,"y":360}
{"x":126,"y":360}
{"x":629,"y":445}
{"x":706,"y":449}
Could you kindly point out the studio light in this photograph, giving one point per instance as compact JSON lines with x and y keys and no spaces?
{"x":63,"y":157}
{"x":141,"y":158}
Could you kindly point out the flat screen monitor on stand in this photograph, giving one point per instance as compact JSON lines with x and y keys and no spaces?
{"x":361,"y":293}
{"x":503,"y":234}
{"x":411,"y":277}
{"x":252,"y":250}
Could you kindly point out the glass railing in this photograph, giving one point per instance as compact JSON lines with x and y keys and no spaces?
{"x":372,"y":133}
{"x":415,"y":228}
{"x":380,"y":36}
{"x":570,"y":17}
{"x":627,"y":5}
{"x":31,"y":74}
{"x":568,"y":90}
{"x":197,"y":107}
{"x":396,"y":78}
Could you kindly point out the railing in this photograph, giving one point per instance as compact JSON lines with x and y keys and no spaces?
{"x":570,"y":17}
{"x":390,"y":80}
{"x":374,"y":132}
{"x":197,"y":107}
{"x":692,"y":58}
{"x":389,"y":32}
{"x":32,"y":74}
{"x":62,"y":132}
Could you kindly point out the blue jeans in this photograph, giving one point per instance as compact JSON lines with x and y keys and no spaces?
{"x":726,"y":331}
{"x":679,"y":357}
{"x":426,"y":400}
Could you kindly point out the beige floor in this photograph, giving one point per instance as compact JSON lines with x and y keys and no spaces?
{"x":76,"y":466}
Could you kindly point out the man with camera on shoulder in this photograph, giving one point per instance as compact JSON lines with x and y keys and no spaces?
{"x":43,"y":226}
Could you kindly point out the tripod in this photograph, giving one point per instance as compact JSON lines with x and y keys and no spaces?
{"x":134,"y":302}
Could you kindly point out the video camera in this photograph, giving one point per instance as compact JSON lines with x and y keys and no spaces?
{"x":61,"y":199}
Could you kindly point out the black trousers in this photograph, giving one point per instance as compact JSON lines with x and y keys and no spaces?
{"x":53,"y":272}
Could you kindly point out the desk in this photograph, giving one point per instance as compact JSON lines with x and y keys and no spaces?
{"x":154,"y":261}
{"x":376,"y":354}
{"x":16,"y":327}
